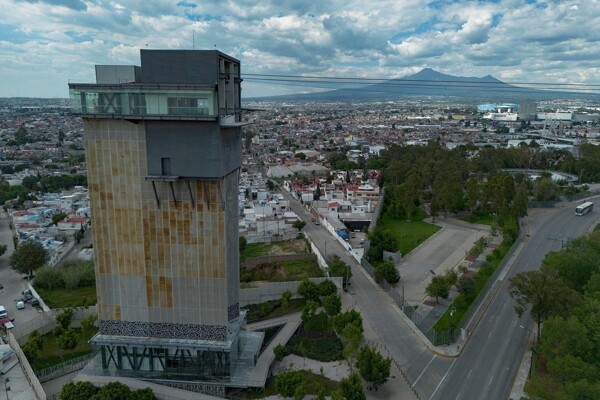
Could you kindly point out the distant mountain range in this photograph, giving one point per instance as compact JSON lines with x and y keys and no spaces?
{"x":430,"y":83}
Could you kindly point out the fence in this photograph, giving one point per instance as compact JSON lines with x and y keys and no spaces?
{"x":64,"y":368}
{"x":29,"y":374}
{"x":254,"y":238}
{"x":43,"y":323}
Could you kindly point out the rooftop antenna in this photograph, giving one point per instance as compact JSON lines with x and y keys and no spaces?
{"x":193,"y":41}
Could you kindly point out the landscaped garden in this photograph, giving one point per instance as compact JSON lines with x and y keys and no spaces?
{"x":408,"y":235}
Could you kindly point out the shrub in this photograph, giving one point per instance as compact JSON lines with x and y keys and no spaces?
{"x":287,"y":382}
{"x":327,"y":288}
{"x":387,"y":270}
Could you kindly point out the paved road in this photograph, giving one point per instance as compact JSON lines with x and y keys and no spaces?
{"x":487,"y":367}
{"x":489,"y":361}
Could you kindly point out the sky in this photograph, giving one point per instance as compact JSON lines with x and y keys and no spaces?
{"x":44,"y":44}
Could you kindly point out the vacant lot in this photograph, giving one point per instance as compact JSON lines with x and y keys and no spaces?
{"x":296,"y":246}
{"x":283,"y":271}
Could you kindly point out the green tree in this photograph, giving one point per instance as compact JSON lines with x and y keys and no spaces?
{"x":279,"y":352}
{"x":466,"y":286}
{"x":545,"y":188}
{"x":143,"y":394}
{"x":243,"y":244}
{"x":379,"y":241}
{"x":56,"y":218}
{"x":286,"y":296}
{"x":36,"y":339}
{"x":31,"y":351}
{"x":65,"y":317}
{"x":388,"y":271}
{"x":352,"y":388}
{"x":309,"y":290}
{"x":472,"y":194}
{"x":68,"y":340}
{"x":113,"y":391}
{"x":451,"y":277}
{"x":299,"y":224}
{"x":351,"y":337}
{"x":326,"y":288}
{"x":351,"y":317}
{"x":569,"y":368}
{"x":332,"y":304}
{"x":519,"y":206}
{"x":309,"y":310}
{"x":438,"y":287}
{"x":88,"y":322}
{"x":373,"y":367}
{"x":3,"y":249}
{"x":78,"y":391}
{"x":286,"y":383}
{"x":339,"y":268}
{"x":28,"y":257}
{"x":300,"y":155}
{"x":543,"y":292}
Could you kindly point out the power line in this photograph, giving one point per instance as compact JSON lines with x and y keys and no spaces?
{"x":333,"y":79}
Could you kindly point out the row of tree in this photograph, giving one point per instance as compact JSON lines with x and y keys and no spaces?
{"x":564,"y":296}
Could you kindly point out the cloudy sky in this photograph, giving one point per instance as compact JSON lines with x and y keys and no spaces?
{"x":44,"y":44}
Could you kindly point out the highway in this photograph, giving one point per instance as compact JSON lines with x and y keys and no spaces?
{"x":488,"y":363}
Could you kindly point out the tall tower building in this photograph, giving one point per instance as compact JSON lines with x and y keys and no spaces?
{"x":163,"y":149}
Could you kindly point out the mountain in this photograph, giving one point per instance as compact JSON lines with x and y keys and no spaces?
{"x":431,"y":83}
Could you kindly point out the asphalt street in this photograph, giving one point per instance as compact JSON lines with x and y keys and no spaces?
{"x":488,"y":363}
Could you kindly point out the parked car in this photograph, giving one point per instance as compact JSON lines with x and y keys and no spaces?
{"x":34,"y":302}
{"x":20,"y":305}
{"x":27,"y":294}
{"x":7,"y":323}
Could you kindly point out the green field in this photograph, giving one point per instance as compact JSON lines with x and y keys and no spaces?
{"x":51,"y":354}
{"x":64,"y":298}
{"x":408,"y":234}
{"x":283,"y":271}
{"x":254,"y":250}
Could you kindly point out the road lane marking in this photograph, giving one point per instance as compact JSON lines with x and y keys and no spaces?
{"x":427,"y":366}
{"x":490,"y":382}
{"x":442,"y":381}
{"x":469,"y":373}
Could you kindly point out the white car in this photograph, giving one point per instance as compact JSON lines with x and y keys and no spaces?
{"x":20,"y":305}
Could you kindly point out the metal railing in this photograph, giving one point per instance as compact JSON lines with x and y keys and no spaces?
{"x":64,"y":368}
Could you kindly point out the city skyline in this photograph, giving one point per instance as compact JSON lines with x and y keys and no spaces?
{"x":511,"y":40}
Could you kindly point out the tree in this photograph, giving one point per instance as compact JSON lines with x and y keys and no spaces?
{"x":65,"y":317}
{"x":28,"y":257}
{"x":299,"y":224}
{"x":300,"y":155}
{"x":36,"y":339}
{"x":438,"y":287}
{"x":243,"y":243}
{"x":571,"y":369}
{"x":61,"y":137}
{"x":466,"y":286}
{"x":309,"y":310}
{"x":279,"y":352}
{"x":77,"y":391}
{"x":68,"y":340}
{"x":309,"y":290}
{"x":30,"y":350}
{"x":143,"y":394}
{"x":374,"y":368}
{"x":332,"y":304}
{"x":543,"y":292}
{"x":88,"y":322}
{"x":317,"y":195}
{"x":56,"y":218}
{"x":381,"y":240}
{"x":451,"y":277}
{"x":519,"y":206}
{"x":387,"y":270}
{"x":3,"y":249}
{"x":351,"y":337}
{"x":286,"y":296}
{"x":326,"y":288}
{"x":113,"y":391}
{"x":286,"y":383}
{"x":352,"y":388}
{"x":344,"y":319}
{"x":339,"y":268}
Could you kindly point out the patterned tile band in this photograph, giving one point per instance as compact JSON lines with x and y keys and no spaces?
{"x":164,"y":330}
{"x":233,"y":311}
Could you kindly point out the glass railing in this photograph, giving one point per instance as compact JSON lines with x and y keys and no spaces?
{"x":143,"y":102}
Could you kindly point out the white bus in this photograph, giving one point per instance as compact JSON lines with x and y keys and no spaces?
{"x":584,"y":208}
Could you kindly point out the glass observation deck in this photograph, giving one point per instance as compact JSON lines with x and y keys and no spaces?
{"x":139,"y":101}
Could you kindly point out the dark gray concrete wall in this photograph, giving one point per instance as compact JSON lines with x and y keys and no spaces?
{"x":180,"y":66}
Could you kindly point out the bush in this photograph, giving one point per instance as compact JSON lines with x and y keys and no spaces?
{"x":324,"y":349}
{"x":287,"y":383}
{"x":68,"y":275}
{"x":327,"y":288}
{"x":387,"y":270}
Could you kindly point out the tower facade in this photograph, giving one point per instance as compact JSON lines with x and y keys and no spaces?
{"x":163,"y":149}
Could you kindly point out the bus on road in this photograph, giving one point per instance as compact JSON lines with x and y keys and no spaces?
{"x":584,"y":208}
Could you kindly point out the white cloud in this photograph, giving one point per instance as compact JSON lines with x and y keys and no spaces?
{"x":550,"y":41}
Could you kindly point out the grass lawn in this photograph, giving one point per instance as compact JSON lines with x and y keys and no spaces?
{"x":313,"y":385}
{"x":462,"y":303}
{"x":486,"y":219}
{"x":283,"y":271}
{"x":254,"y":250}
{"x":51,"y":352}
{"x":408,"y":234}
{"x":63,"y":298}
